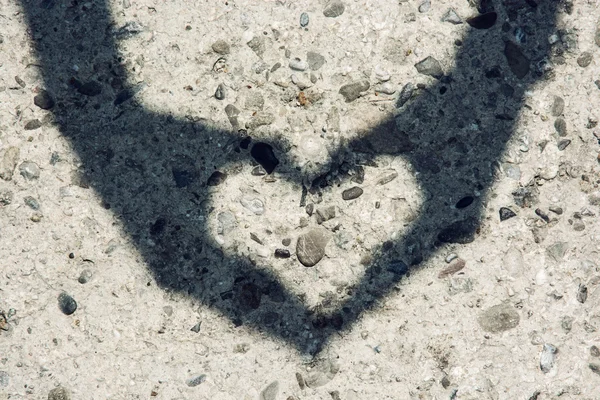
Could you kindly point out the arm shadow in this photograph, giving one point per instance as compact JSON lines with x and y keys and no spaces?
{"x":151,"y":169}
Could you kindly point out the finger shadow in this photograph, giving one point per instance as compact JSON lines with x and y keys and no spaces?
{"x":153,"y":171}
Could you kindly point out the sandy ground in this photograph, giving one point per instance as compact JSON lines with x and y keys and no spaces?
{"x":465,"y":266}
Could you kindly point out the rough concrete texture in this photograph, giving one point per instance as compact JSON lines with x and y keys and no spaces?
{"x":159,"y":161}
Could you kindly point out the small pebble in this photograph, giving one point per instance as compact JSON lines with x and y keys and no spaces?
{"x":584,"y":59}
{"x":398,"y":267}
{"x":196,"y":328}
{"x":254,"y":205}
{"x":452,"y":17}
{"x":195,"y":380}
{"x":560,"y":126}
{"x":353,"y":90}
{"x":33,"y":124}
{"x":387,"y":177}
{"x":334,"y":8}
{"x":85,"y":276}
{"x":32,"y":202}
{"x":451,"y":269}
{"x":325,"y":214}
{"x":221,"y":47}
{"x":595,"y":368}
{"x":582,"y":293}
{"x":216,"y":178}
{"x":4,"y":379}
{"x":405,"y":94}
{"x":282,"y":253}
{"x":314,"y":60}
{"x":556,"y":210}
{"x":220,"y":92}
{"x":547,"y":357}
{"x":563,"y":144}
{"x":483,"y":21}
{"x":59,"y":393}
{"x":430,"y":66}
{"x":310,"y":247}
{"x":352,"y":193}
{"x":558,"y":106}
{"x":29,"y":170}
{"x":425,"y":6}
{"x":298,"y":65}
{"x":44,"y":100}
{"x":304,"y":19}
{"x":270,"y":392}
{"x":517,"y":60}
{"x":67,"y":304}
{"x":594,"y":351}
{"x":499,"y":318}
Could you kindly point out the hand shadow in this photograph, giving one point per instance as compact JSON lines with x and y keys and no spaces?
{"x":151,"y":169}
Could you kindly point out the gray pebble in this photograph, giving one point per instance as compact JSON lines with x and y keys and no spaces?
{"x":9,"y":161}
{"x":385,"y":88}
{"x":232,"y":114}
{"x":556,"y":210}
{"x":430,"y":66}
{"x":33,"y":125}
{"x":304,"y":19}
{"x":4,"y":379}
{"x":566,"y":323}
{"x":563,"y":144}
{"x":499,"y":318}
{"x":59,"y":393}
{"x":352,"y":193}
{"x":66,"y":303}
{"x":216,"y":178}
{"x":584,"y":59}
{"x":558,"y":106}
{"x":254,"y":205}
{"x":547,"y":357}
{"x":195,"y":380}
{"x":6,"y":197}
{"x":196,"y":328}
{"x":226,"y":222}
{"x":334,"y":8}
{"x":387,"y":177}
{"x":270,"y":392}
{"x":315,"y":60}
{"x":594,"y":351}
{"x":298,"y":65}
{"x":32,"y":202}
{"x":560,"y":125}
{"x":325,"y":214}
{"x":452,"y":17}
{"x":29,"y":170}
{"x":220,"y":92}
{"x":85,"y":276}
{"x":310,"y":247}
{"x":221,"y":47}
{"x":282,"y":253}
{"x":595,"y":368}
{"x":353,"y":90}
{"x":260,"y":119}
{"x":557,"y":251}
{"x":258,"y":46}
{"x":405,"y":94}
{"x":582,"y":293}
{"x":44,"y":100}
{"x":425,"y":6}
{"x":517,"y":61}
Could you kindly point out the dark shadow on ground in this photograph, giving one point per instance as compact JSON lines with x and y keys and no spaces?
{"x":152,"y":169}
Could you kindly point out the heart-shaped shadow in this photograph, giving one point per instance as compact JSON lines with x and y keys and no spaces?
{"x":151,"y":169}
